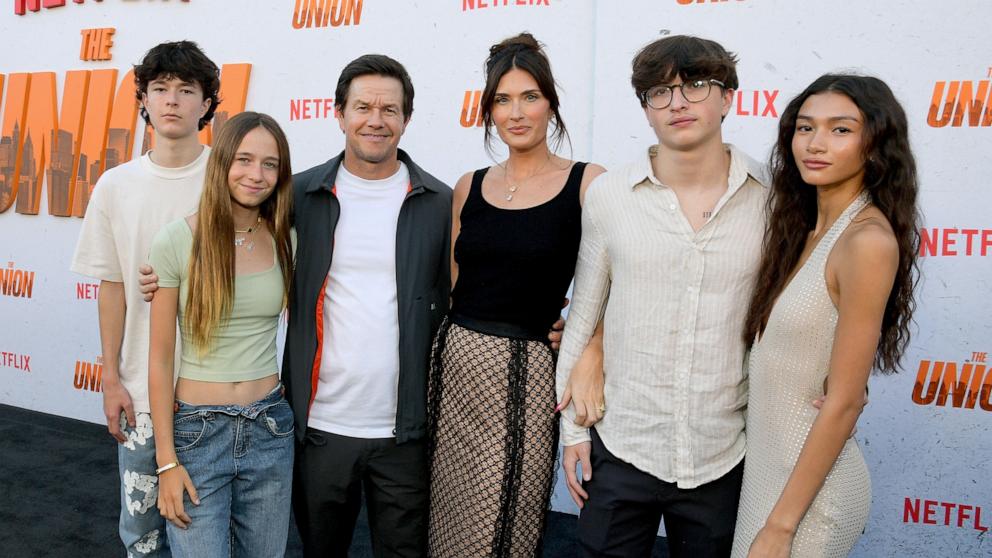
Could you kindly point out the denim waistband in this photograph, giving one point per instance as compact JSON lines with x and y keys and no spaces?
{"x":249,"y":411}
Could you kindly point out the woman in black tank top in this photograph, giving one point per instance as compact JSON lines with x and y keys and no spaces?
{"x":515,"y":231}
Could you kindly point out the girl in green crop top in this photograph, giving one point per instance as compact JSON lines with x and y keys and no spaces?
{"x":223,"y":435}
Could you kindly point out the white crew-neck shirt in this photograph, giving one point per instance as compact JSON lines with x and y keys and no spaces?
{"x":359,"y":367}
{"x":130,"y":203}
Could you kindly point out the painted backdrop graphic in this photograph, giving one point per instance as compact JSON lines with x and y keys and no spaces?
{"x":69,"y":114}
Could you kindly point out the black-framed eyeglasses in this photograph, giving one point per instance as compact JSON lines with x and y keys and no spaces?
{"x":696,"y":91}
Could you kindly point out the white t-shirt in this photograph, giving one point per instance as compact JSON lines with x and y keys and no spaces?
{"x":130,"y":203}
{"x":359,"y":367}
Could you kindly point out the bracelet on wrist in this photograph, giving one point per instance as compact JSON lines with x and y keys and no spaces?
{"x":166,"y":467}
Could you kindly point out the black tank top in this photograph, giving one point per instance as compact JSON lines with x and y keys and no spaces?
{"x":515,"y":265}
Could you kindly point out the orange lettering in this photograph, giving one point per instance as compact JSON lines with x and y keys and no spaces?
{"x":973,"y":105}
{"x":470,"y":109}
{"x":106,"y":43}
{"x":123,"y":119}
{"x":93,"y":45}
{"x":94,"y":377}
{"x":950,"y":384}
{"x":93,"y":140}
{"x":64,"y":173}
{"x":11,"y":138}
{"x":69,"y":147}
{"x":80,"y":376}
{"x":948,"y":108}
{"x":976,"y":386}
{"x":234,"y":93}
{"x":986,"y":395}
{"x":304,"y":18}
{"x":38,"y":141}
{"x":921,"y":381}
{"x":84,"y":44}
{"x":342,"y":11}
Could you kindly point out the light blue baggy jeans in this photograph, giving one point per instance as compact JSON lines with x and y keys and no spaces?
{"x":240,"y":459}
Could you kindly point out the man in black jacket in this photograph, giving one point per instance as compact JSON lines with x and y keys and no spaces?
{"x":370,"y":289}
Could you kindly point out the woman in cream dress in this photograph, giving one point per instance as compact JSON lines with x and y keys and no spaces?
{"x":833,"y":300}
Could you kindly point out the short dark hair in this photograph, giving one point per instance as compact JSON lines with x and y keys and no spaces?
{"x":374,"y":64}
{"x":184,"y":60}
{"x":685,"y":56}
{"x":522,"y":52}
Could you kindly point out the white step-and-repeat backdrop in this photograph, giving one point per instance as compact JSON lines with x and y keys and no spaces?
{"x":67,"y":115}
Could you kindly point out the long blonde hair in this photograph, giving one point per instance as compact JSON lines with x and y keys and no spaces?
{"x":211,"y":263}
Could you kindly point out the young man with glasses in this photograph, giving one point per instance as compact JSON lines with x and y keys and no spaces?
{"x":670,"y":246}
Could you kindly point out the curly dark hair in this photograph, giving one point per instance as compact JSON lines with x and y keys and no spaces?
{"x":184,"y":60}
{"x":521,"y":52}
{"x":890,"y":180}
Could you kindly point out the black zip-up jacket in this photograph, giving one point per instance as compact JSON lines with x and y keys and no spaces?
{"x":423,"y":245}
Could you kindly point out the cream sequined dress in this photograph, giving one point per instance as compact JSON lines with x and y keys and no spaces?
{"x":787,"y":368}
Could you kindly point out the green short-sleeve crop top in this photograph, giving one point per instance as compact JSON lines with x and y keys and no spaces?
{"x":244,"y":346}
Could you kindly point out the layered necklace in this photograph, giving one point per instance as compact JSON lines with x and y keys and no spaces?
{"x":246,"y":241}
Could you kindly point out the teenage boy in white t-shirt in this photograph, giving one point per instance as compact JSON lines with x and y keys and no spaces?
{"x":177,"y":88}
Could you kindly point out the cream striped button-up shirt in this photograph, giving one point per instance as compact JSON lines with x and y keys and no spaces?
{"x":674,"y":303}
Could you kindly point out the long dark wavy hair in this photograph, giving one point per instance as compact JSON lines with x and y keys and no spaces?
{"x":889,"y":179}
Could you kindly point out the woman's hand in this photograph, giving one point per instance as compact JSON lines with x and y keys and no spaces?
{"x":171,"y":486}
{"x":584,"y":388}
{"x":772,"y":542}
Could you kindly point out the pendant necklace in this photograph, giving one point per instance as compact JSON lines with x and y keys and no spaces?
{"x":512,"y":188}
{"x":244,"y":241}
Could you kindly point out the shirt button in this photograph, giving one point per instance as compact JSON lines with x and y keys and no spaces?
{"x":671,"y":207}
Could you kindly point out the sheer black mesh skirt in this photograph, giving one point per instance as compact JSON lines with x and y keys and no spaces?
{"x":494,"y":440}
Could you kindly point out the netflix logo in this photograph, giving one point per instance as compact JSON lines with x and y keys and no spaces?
{"x":944,"y":514}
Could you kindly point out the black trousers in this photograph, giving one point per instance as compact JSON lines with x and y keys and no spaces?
{"x":331,"y":473}
{"x":625,"y":506}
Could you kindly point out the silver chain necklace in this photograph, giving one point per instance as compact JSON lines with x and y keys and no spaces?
{"x":244,"y":241}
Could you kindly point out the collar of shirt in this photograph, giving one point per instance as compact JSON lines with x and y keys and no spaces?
{"x":741,"y":167}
